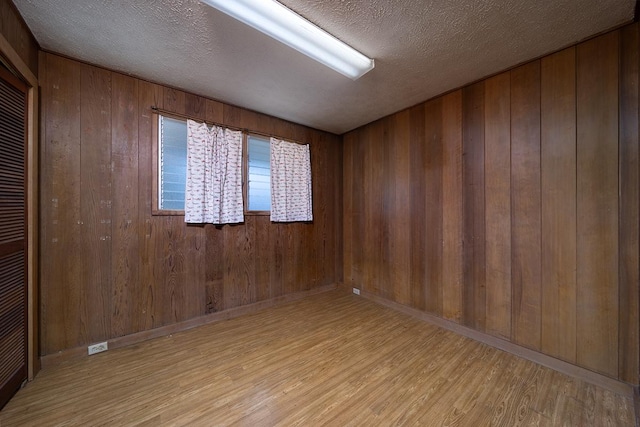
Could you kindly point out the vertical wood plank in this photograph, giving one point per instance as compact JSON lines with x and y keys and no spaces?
{"x":474,"y":292}
{"x":629,"y":275}
{"x":308,"y":251}
{"x":125,"y":245}
{"x":46,"y":218}
{"x":214,"y":247}
{"x":161,"y":274}
{"x":174,"y":100}
{"x":452,"y":220}
{"x":194,"y":266}
{"x":289,"y":258}
{"x":497,"y":143}
{"x":61,"y":238}
{"x":312,"y":252}
{"x":357,"y":216}
{"x":263,"y":250}
{"x":149,"y":95}
{"x":400,"y":235}
{"x":337,"y":190}
{"x":312,"y":234}
{"x":195,"y":242}
{"x":173,"y":272}
{"x":349,"y":140}
{"x":235,"y":274}
{"x":173,"y":247}
{"x":249,"y":119}
{"x":268,"y":124}
{"x":418,"y":203}
{"x":277,"y":259}
{"x":44,"y":215}
{"x":433,"y":208}
{"x":558,"y":194}
{"x":195,"y":106}
{"x":334,"y":216}
{"x":525,"y":204}
{"x":246,"y":252}
{"x":214,"y":111}
{"x":382,"y":133}
{"x":327,"y":224}
{"x":96,"y":200}
{"x":214,"y":269}
{"x":597,"y":204}
{"x":375,"y":236}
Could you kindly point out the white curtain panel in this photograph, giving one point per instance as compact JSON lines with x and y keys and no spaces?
{"x":290,"y":182}
{"x":214,"y":175}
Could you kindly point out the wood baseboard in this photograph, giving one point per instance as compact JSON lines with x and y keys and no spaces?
{"x":561,"y":366}
{"x":80,"y":352}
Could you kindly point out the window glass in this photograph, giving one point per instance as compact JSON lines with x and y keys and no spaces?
{"x":173,"y":163}
{"x":259,"y":182}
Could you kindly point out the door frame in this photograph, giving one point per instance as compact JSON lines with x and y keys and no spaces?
{"x":13,"y":59}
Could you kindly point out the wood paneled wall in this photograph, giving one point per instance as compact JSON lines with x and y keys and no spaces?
{"x":110,"y":268}
{"x":511,"y":205}
{"x":18,"y":35}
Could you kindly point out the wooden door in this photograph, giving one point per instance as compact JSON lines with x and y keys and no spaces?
{"x":13,"y":248}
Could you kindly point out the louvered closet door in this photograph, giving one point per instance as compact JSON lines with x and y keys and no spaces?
{"x":13,"y":308}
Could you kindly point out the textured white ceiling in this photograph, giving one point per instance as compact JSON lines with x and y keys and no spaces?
{"x":422,"y":48}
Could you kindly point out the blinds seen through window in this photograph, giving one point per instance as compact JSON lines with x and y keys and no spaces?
{"x":173,"y":163}
{"x":259,"y":189}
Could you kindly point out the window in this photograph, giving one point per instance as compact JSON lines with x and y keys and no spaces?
{"x":172,"y":163}
{"x":259,"y":166}
{"x":171,"y":169}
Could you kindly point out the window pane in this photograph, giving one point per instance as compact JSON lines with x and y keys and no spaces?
{"x":259,"y":186}
{"x":173,"y":163}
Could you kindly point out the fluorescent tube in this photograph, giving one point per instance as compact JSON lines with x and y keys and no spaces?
{"x":286,"y":26}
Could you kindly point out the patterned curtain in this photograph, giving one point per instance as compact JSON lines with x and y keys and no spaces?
{"x":290,"y":182}
{"x":214,"y":175}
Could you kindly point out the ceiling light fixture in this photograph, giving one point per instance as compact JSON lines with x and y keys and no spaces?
{"x":286,"y":26}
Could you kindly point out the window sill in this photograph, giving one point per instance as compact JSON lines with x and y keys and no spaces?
{"x":257,"y":213}
{"x":166,"y":212}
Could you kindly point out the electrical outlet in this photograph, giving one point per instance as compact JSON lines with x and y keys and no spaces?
{"x":98,"y":348}
{"x":356,"y":291}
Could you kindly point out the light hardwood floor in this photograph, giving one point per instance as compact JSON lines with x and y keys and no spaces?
{"x":330,"y":359}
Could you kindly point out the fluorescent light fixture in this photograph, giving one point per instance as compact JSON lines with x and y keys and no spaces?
{"x":286,"y":26}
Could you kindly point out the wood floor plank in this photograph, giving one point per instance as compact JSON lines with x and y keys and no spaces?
{"x":331,"y":359}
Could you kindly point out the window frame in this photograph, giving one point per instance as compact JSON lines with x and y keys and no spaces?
{"x":155,"y":168}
